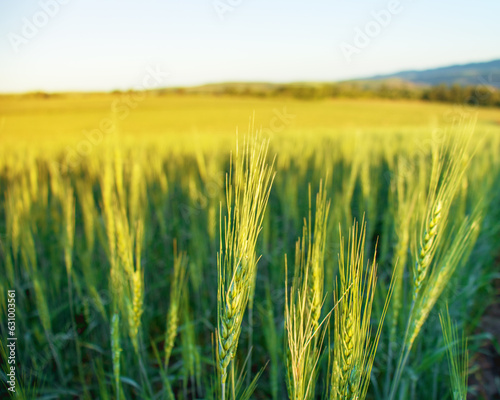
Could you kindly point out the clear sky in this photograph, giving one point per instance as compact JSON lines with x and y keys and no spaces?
{"x":109,"y":44}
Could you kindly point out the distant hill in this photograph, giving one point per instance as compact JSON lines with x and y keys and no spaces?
{"x":475,"y":84}
{"x":473,"y":74}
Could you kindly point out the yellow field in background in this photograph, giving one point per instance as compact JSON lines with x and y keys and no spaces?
{"x":69,"y":119}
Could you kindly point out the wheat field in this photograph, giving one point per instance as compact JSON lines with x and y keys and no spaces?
{"x":191,"y":247}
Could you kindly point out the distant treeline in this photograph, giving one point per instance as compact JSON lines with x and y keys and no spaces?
{"x":472,"y":95}
{"x":479,"y":95}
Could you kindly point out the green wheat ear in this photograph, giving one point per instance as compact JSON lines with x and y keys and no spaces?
{"x":437,"y":258}
{"x":248,"y":186}
{"x":427,"y":250}
{"x":354,"y":348}
{"x":303,"y":306}
{"x":316,"y":252}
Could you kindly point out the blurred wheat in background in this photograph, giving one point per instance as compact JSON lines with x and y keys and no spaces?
{"x":162,"y":268}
